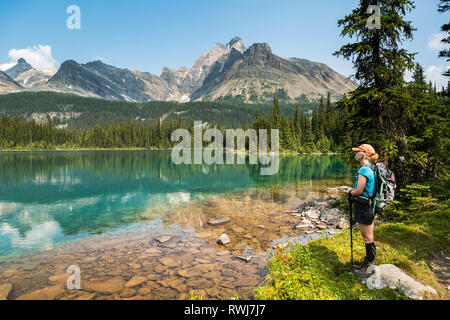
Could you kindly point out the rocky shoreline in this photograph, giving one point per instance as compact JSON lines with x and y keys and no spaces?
{"x":317,"y":218}
{"x":156,"y":265}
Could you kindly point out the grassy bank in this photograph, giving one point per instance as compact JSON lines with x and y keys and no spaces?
{"x":321,"y":269}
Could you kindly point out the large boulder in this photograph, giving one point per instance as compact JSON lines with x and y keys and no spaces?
{"x":390,"y":276}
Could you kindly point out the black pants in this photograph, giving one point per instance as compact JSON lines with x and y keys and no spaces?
{"x":363,"y":211}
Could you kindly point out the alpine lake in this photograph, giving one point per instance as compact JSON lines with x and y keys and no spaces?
{"x":138,"y":226}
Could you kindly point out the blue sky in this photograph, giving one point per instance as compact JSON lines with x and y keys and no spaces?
{"x":147,"y":35}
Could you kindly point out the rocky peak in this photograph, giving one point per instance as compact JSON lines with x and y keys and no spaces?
{"x":7,"y":83}
{"x":68,"y":64}
{"x":220,"y":45}
{"x":234,"y":40}
{"x":21,"y":67}
{"x":259,"y":49}
{"x":96,"y":63}
{"x":237,"y":44}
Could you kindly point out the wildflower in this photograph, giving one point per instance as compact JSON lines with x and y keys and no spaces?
{"x":277,"y":252}
{"x":285,"y":257}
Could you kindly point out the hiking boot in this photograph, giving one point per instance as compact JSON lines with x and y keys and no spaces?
{"x":363,"y":270}
{"x":362,"y":264}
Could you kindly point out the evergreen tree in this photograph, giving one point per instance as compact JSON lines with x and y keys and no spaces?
{"x":384,"y":110}
{"x":419,"y":75}
{"x":378,"y":104}
{"x":444,"y":6}
{"x":309,"y":145}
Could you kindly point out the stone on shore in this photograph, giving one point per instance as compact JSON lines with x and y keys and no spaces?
{"x":390,"y":276}
{"x":304,"y":223}
{"x":312,"y":214}
{"x":217,"y":221}
{"x":302,"y":226}
{"x":5,"y":290}
{"x":338,"y":189}
{"x":224,"y":239}
{"x":343,"y":224}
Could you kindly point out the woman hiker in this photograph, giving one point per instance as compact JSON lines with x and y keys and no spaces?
{"x":363,"y":207}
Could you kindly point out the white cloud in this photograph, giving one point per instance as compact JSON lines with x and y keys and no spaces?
{"x":434,"y":42}
{"x":434,"y":74}
{"x":6,"y":66}
{"x":40,"y":57}
{"x":102,"y":59}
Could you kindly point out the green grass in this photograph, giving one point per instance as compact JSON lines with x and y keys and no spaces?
{"x":321,"y":269}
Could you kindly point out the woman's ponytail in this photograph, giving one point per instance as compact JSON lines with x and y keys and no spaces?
{"x":373,"y":158}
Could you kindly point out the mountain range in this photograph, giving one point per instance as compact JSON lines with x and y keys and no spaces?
{"x":251,"y":74}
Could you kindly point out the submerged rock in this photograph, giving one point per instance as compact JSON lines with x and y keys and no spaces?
{"x":106,"y":286}
{"x":246,"y":258}
{"x":49,"y":293}
{"x":128,"y":293}
{"x":217,"y":221}
{"x":58,"y":278}
{"x":163,"y":239}
{"x":224,"y":239}
{"x":8,"y":273}
{"x":135,"y":281}
{"x":5,"y":290}
{"x":169,"y":261}
{"x":30,"y":267}
{"x":87,"y":296}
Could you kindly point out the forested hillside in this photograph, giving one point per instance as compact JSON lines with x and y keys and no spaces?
{"x":298,"y":132}
{"x":80,"y":112}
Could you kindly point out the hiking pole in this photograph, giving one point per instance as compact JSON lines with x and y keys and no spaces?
{"x":350,"y":204}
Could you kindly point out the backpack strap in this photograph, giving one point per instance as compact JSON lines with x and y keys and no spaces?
{"x":374,"y":169}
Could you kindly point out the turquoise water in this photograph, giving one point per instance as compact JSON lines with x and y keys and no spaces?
{"x":48,"y":198}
